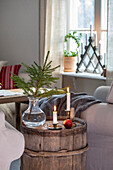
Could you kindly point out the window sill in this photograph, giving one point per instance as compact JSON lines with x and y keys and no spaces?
{"x":84,"y":75}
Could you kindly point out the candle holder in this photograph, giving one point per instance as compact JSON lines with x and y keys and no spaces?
{"x":68,"y":114}
{"x":104,"y":72}
{"x":54,"y":127}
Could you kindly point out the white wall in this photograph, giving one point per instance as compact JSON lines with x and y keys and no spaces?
{"x":19,"y":31}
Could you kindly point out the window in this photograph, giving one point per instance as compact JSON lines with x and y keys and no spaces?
{"x":83,"y":13}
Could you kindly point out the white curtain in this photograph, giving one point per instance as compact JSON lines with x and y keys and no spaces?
{"x":110,"y":43}
{"x":55,"y":32}
{"x":42,"y":25}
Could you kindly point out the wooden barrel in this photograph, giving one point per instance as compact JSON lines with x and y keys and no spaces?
{"x":55,"y":149}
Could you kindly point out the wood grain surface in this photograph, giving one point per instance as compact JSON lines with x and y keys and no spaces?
{"x":55,"y":149}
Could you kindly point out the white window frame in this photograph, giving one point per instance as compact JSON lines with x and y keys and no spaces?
{"x":97,"y":22}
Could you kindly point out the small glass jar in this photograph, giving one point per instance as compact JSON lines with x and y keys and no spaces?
{"x":33,"y":116}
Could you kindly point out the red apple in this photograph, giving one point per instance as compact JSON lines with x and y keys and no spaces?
{"x":67,"y":123}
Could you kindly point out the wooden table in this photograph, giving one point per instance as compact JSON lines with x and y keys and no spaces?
{"x":55,"y":149}
{"x":18,"y":99}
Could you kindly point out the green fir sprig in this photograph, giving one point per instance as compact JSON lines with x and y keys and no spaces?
{"x":39,"y":77}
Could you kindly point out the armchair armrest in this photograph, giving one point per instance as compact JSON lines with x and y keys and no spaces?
{"x":101,"y":93}
{"x":99,"y":118}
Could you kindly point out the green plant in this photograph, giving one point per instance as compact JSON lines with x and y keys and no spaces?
{"x":39,"y":77}
{"x":77,"y":41}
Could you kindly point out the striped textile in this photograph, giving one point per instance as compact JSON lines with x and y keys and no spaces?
{"x":5,"y":74}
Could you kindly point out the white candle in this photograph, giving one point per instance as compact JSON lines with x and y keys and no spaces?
{"x":77,"y":56}
{"x":81,"y":47}
{"x":86,"y":39}
{"x":54,"y":116}
{"x":105,"y":59}
{"x":68,"y":99}
{"x":100,"y":47}
{"x":95,"y":39}
{"x":91,"y":30}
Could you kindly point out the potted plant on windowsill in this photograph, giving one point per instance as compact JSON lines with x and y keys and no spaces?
{"x":70,"y":57}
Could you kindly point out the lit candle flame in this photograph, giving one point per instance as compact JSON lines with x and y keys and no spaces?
{"x":55,"y":108}
{"x":67,"y":89}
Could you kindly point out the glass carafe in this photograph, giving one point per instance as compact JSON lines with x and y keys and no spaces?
{"x":33,"y":116}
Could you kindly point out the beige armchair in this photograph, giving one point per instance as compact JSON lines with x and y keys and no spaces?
{"x":99,"y":118}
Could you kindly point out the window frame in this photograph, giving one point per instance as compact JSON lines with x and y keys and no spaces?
{"x":97,"y":21}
